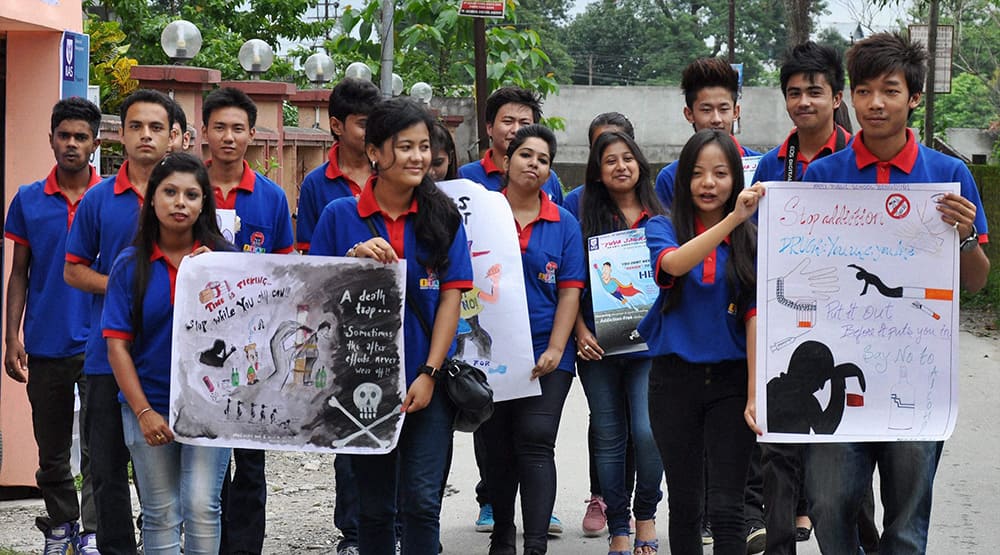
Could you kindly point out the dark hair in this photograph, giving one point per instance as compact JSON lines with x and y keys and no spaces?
{"x":180,"y":118}
{"x":437,"y":219}
{"x":606,"y":119}
{"x":77,"y":108}
{"x":152,"y":97}
{"x":229,"y":97}
{"x":741,"y":269}
{"x":708,"y":72}
{"x":513,"y":95}
{"x":353,"y":96}
{"x":528,"y":131}
{"x":842,"y":117}
{"x":813,"y":59}
{"x":441,"y":140}
{"x":599,"y":213}
{"x":884,"y":53}
{"x":205,"y":230}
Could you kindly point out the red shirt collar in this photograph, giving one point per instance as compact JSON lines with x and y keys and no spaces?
{"x":246,"y":180}
{"x":333,"y":170}
{"x":700,"y":228}
{"x":739,"y":147}
{"x":158,"y":254}
{"x":904,"y":160}
{"x":548,"y":210}
{"x":52,"y":186}
{"x":122,"y":182}
{"x":367,"y":205}
{"x":829,"y":147}
{"x":488,"y":165}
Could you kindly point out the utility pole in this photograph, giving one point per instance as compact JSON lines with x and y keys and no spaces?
{"x":482,"y":89}
{"x":732,"y":31}
{"x":388,"y":47}
{"x":590,"y":70}
{"x":932,"y":33}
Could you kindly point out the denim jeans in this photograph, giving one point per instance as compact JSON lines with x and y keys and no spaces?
{"x":345,"y":510}
{"x":838,"y":475}
{"x":615,"y":386}
{"x":109,"y":458}
{"x":696,"y":412}
{"x":521,"y":436}
{"x":181,"y":487}
{"x":50,"y":392}
{"x":416,"y":467}
{"x":244,"y":499}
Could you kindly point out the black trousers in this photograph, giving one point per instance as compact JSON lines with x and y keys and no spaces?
{"x":244,"y":498}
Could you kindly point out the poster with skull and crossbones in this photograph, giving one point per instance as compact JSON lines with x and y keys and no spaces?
{"x":288,"y":353}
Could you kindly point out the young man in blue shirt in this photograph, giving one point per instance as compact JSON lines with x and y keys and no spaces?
{"x":348,"y":168}
{"x":711,"y":87}
{"x":507,"y":110}
{"x":56,"y":321}
{"x":887,"y":74}
{"x":265,"y":226}
{"x":105,"y":223}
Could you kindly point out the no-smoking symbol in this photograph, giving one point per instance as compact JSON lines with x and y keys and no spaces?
{"x":897,"y":206}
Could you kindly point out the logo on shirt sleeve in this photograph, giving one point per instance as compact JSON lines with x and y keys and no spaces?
{"x":549,"y":276}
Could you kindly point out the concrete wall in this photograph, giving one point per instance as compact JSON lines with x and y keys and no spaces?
{"x":971,"y":142}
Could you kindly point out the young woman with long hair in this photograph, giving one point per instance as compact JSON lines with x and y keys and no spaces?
{"x":180,"y":483}
{"x":701,"y":332}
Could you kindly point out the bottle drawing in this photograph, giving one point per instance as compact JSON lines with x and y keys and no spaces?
{"x":235,"y":378}
{"x":321,"y":378}
{"x":902,"y":403}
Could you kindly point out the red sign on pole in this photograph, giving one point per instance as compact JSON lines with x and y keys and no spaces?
{"x":482,"y":8}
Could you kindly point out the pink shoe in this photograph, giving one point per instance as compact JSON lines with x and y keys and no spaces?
{"x":595,"y":522}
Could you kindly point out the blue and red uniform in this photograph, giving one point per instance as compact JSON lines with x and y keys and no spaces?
{"x":105,"y":223}
{"x":486,"y":173}
{"x":552,"y":259}
{"x":323,"y":184}
{"x":665,"y":179}
{"x":772,"y":165}
{"x":720,"y":333}
{"x":56,"y":316}
{"x":343,"y":224}
{"x":914,"y":164}
{"x":265,"y":222}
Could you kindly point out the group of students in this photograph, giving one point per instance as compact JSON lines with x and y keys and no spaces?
{"x":685,"y":407}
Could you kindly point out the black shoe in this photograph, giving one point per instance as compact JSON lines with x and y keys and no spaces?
{"x":503,"y":542}
{"x":802,"y":534}
{"x":756,"y":540}
{"x":706,"y":535}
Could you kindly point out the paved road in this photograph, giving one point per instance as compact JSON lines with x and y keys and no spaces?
{"x":966,"y":494}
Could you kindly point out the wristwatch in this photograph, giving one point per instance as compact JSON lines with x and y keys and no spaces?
{"x":970,"y":242}
{"x":427,"y":369}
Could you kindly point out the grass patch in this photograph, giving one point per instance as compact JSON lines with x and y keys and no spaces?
{"x":9,"y":551}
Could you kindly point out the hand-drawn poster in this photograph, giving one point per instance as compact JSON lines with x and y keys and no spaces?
{"x":494,"y":333}
{"x":298,"y":353}
{"x":750,"y":164}
{"x":857,"y":299}
{"x":622,"y":288}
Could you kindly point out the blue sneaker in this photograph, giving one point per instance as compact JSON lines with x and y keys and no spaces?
{"x":62,"y":539}
{"x":555,"y":526}
{"x":485,"y":521}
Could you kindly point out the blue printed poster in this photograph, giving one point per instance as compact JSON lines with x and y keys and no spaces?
{"x":622,"y":288}
{"x":857,"y":300}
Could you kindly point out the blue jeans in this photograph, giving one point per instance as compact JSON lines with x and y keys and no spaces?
{"x":181,"y":486}
{"x":838,"y":475}
{"x":614,"y":386}
{"x":416,"y":467}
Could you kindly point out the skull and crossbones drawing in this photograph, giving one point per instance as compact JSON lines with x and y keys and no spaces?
{"x":367,"y":397}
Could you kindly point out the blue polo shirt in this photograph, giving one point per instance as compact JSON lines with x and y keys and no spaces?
{"x":703,"y":328}
{"x":322,"y":185}
{"x":771,"y":166}
{"x":914,"y":164}
{"x":104,"y":225}
{"x":265,"y":221}
{"x":56,"y":316}
{"x":665,"y":179}
{"x":151,"y":346}
{"x":552,"y":259}
{"x":486,"y":173}
{"x":342,"y":224}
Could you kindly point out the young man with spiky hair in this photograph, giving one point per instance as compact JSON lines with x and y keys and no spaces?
{"x":507,"y":110}
{"x":230,"y":119}
{"x":887,"y":74}
{"x":711,"y":89}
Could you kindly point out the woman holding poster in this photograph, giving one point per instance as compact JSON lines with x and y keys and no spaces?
{"x":402,"y":215}
{"x":701,"y":333}
{"x":522,"y":432}
{"x":180,"y":483}
{"x":618,"y":195}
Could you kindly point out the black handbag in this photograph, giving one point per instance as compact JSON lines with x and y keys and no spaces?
{"x":466,"y":385}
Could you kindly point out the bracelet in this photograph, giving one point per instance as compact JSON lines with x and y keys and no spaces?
{"x":142,"y":412}
{"x":351,"y":251}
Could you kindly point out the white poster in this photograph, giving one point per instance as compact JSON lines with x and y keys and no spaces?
{"x":857,"y":299}
{"x":750,"y":164}
{"x":622,"y":288}
{"x":494,"y":332}
{"x":300,"y":353}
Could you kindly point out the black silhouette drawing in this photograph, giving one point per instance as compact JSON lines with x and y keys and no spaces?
{"x":901,"y":291}
{"x":791,"y":405}
{"x":216,"y":356}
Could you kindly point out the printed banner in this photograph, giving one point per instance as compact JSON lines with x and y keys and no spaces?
{"x":297,"y":353}
{"x":622,"y":287}
{"x":750,"y":164}
{"x":857,"y":299}
{"x":494,"y":332}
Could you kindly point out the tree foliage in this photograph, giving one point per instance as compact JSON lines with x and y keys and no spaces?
{"x":110,"y":65}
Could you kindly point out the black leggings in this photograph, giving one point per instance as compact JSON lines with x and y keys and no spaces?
{"x":696,"y":411}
